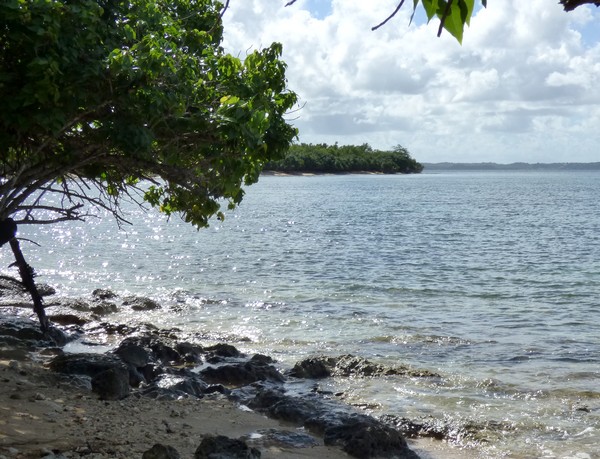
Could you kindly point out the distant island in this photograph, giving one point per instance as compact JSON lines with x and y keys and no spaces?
{"x":336,"y":159}
{"x":429,"y":167}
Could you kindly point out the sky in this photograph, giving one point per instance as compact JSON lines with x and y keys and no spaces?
{"x":524,"y":85}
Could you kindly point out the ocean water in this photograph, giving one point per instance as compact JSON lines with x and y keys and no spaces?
{"x":491,"y":279}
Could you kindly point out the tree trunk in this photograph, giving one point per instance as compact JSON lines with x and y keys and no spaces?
{"x":26,"y":272}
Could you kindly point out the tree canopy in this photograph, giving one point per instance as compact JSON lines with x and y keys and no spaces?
{"x":113,"y":92}
{"x":105,"y":100}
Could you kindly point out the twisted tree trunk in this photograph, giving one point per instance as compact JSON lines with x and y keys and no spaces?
{"x":8,"y":232}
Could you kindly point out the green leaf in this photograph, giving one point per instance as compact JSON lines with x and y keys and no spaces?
{"x":431,"y":8}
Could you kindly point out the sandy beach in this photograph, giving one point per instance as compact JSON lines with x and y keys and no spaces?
{"x":41,"y":415}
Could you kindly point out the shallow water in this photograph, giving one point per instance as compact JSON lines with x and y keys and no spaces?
{"x":490,"y":279}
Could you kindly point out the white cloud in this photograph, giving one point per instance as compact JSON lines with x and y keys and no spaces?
{"x":523,"y":87}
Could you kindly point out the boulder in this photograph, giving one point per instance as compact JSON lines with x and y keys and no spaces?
{"x":85,"y":364}
{"x":364,"y":437}
{"x":103,"y":294}
{"x":351,"y":366}
{"x":313,"y":368}
{"x":27,"y":332}
{"x":219,"y":352}
{"x":221,"y":447}
{"x":159,"y":451}
{"x":111,"y":384}
{"x":191,"y":353}
{"x":104,"y":308}
{"x":241,"y":374}
{"x":141,"y":303}
{"x":133,"y":354}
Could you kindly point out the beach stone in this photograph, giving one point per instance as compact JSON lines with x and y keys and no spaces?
{"x":133,"y":354}
{"x":286,"y":408}
{"x":313,"y":368}
{"x":67,"y":319}
{"x":364,"y":437}
{"x":45,"y":289}
{"x":351,"y":366}
{"x":104,"y":294}
{"x":77,"y":304}
{"x":140,"y":303}
{"x":223,"y":350}
{"x":159,"y":451}
{"x":264,"y":359}
{"x":26,"y":332}
{"x":221,"y":447}
{"x":191,"y":353}
{"x":241,"y":374}
{"x":177,"y":384}
{"x":85,"y":363}
{"x":9,"y":286}
{"x":111,"y":384}
{"x":104,"y":308}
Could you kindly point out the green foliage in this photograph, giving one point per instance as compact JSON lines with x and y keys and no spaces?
{"x":110,"y":92}
{"x":453,"y":14}
{"x":322,"y":158}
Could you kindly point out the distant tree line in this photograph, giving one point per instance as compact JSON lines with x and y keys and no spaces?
{"x":332,"y":159}
{"x":510,"y":167}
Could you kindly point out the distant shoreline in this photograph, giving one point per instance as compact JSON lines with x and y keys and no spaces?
{"x":445,"y":166}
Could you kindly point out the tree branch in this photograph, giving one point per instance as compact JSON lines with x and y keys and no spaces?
{"x":443,"y":20}
{"x":389,"y":17}
{"x":570,"y":5}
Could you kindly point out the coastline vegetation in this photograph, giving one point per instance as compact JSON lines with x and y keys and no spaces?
{"x":331,"y":159}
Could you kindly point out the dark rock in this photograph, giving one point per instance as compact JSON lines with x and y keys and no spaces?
{"x":85,"y":364}
{"x":136,"y":377}
{"x":295,"y":410}
{"x":159,"y":451}
{"x":223,"y":350}
{"x":27,"y":332}
{"x":21,"y":328}
{"x":187,"y":384}
{"x":133,"y":354}
{"x":11,"y":287}
{"x":103,"y":294}
{"x":76,"y":304}
{"x":141,"y":303}
{"x":351,"y":366}
{"x":156,"y":348}
{"x":313,"y":368}
{"x":221,"y":447}
{"x":104,"y":308}
{"x":364,"y":437}
{"x":67,"y":319}
{"x":191,"y":353}
{"x":241,"y":374}
{"x":111,"y":384}
{"x":45,"y":289}
{"x":164,"y":353}
{"x":260,"y":358}
{"x":413,"y":429}
{"x":284,"y":407}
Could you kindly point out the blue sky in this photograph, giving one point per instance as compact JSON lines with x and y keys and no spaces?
{"x":524,"y":86}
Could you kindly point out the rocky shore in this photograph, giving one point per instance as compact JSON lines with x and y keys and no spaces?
{"x":164,"y":394}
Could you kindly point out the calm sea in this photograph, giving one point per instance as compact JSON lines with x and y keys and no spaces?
{"x":490,"y":279}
